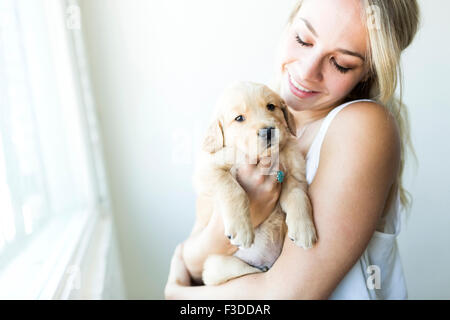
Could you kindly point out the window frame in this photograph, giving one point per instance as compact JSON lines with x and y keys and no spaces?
{"x":76,"y":265}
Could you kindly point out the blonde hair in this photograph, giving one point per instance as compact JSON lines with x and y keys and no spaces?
{"x":392,"y":26}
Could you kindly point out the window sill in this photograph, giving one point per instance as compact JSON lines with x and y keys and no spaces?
{"x":66,"y":260}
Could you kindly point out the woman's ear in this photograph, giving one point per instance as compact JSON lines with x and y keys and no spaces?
{"x":214,"y":138}
{"x":289,"y":118}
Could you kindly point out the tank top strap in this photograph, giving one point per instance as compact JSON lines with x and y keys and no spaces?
{"x":313,"y":156}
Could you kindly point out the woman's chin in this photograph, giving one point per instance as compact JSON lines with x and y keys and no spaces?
{"x":293,"y":102}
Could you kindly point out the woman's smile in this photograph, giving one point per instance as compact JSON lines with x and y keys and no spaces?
{"x":298,"y":90}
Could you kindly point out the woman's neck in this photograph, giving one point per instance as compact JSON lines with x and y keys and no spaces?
{"x":305,"y":117}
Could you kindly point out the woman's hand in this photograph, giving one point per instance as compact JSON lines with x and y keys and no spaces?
{"x":260,"y":183}
{"x":263,"y":191}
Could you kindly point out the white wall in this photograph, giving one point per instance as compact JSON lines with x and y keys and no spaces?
{"x":158,"y":67}
{"x":424,"y":242}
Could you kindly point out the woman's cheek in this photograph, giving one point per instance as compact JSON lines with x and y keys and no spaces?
{"x":339,"y":85}
{"x":289,"y":52}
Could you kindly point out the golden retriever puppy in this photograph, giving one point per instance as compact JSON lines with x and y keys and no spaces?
{"x":252,"y":122}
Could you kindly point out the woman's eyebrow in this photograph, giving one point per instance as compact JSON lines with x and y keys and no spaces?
{"x":351,"y":53}
{"x":344,"y":51}
{"x":310,"y":27}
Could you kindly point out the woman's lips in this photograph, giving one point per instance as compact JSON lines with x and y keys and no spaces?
{"x":300,"y":93}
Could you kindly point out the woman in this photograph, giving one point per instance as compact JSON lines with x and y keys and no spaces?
{"x":338,"y":70}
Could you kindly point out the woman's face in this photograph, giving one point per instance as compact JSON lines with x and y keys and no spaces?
{"x":323,"y":52}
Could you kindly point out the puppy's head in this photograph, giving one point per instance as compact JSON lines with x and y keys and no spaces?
{"x":252,"y":118}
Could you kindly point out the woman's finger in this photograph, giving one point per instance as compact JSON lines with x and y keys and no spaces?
{"x":271,"y":173}
{"x":246,"y":170}
{"x":265,"y":162}
{"x":267,"y":166}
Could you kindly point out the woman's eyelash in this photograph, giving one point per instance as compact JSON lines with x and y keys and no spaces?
{"x":338,"y":67}
{"x":302,"y":42}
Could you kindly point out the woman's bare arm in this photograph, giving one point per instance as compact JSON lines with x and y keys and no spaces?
{"x":205,"y":240}
{"x":359,"y":162}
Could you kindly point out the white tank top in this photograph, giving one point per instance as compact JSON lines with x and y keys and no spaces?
{"x":378,"y":274}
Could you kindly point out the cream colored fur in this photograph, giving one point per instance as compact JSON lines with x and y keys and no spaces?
{"x":228,"y":143}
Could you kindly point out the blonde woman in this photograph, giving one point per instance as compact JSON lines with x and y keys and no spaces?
{"x":338,"y":70}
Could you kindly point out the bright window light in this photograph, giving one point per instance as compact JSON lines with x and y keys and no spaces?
{"x":7,"y":227}
{"x":51,"y":174}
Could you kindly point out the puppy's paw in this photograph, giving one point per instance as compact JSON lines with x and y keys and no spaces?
{"x":302,"y":232}
{"x":240,"y":232}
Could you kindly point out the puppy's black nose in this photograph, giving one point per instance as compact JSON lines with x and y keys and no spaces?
{"x":266,"y":133}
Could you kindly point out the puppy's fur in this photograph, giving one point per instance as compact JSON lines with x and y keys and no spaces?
{"x":246,"y":113}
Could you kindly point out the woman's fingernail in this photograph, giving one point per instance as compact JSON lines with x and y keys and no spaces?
{"x":265,"y":161}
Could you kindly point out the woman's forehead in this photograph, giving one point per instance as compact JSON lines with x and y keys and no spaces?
{"x":340,"y":22}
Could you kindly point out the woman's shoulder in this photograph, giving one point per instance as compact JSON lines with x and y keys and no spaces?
{"x":364,"y":110}
{"x":363,"y":128}
{"x":368,"y":118}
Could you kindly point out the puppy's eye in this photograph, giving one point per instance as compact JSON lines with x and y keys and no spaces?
{"x":239,"y":118}
{"x":270,"y":107}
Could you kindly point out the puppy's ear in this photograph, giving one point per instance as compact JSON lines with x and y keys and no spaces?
{"x":214,"y":138}
{"x":289,"y":118}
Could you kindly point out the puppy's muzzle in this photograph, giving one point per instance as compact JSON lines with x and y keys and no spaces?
{"x":266,"y":134}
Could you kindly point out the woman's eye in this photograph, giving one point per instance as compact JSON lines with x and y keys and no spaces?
{"x":270,"y":107}
{"x":339,"y":68}
{"x":239,"y":118}
{"x":302,"y":42}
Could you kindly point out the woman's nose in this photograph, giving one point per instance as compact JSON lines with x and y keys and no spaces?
{"x":309,"y":68}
